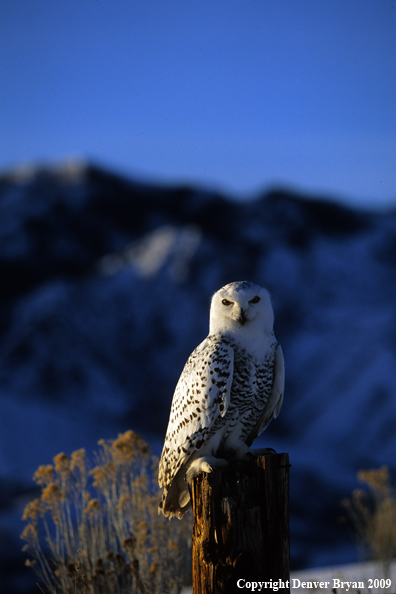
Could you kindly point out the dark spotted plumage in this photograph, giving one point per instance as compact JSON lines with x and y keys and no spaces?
{"x":226,"y":394}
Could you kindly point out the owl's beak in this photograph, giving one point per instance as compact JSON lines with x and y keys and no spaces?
{"x":242,"y":319}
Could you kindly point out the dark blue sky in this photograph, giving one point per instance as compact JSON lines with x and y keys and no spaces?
{"x":238,"y":95}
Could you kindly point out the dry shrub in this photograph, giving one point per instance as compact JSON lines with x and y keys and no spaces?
{"x":98,"y":530}
{"x":373,"y":514}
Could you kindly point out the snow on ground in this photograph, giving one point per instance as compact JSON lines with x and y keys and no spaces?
{"x":367,"y":578}
{"x":371,"y":574}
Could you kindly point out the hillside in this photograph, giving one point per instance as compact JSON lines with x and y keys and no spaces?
{"x":106,"y":289}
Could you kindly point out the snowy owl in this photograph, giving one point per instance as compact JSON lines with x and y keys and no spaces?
{"x":229,"y":391}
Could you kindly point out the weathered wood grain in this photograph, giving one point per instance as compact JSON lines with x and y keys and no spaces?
{"x":241,"y":525}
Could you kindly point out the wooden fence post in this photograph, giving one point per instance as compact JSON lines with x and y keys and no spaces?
{"x":241,"y":526}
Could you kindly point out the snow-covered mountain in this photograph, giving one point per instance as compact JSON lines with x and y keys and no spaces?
{"x":105,"y":291}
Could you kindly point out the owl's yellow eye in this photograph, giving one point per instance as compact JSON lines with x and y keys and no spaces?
{"x":226,"y":302}
{"x":255,"y":299}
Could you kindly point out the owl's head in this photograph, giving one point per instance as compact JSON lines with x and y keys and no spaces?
{"x":241,"y":306}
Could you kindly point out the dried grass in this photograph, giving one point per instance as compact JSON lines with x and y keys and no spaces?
{"x":97,"y":531}
{"x":373,"y":515}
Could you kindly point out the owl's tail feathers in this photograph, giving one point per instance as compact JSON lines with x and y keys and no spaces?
{"x":175,"y":498}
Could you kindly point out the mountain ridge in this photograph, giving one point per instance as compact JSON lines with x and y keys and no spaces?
{"x":107,"y":284}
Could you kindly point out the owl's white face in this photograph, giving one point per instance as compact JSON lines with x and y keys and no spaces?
{"x":241,"y":307}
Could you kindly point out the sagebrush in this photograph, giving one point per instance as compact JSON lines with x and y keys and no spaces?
{"x":373,"y":514}
{"x":97,"y":530}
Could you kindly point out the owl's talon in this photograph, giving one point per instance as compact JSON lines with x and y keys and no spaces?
{"x":206,"y":467}
{"x":204,"y":464}
{"x":262,"y":451}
